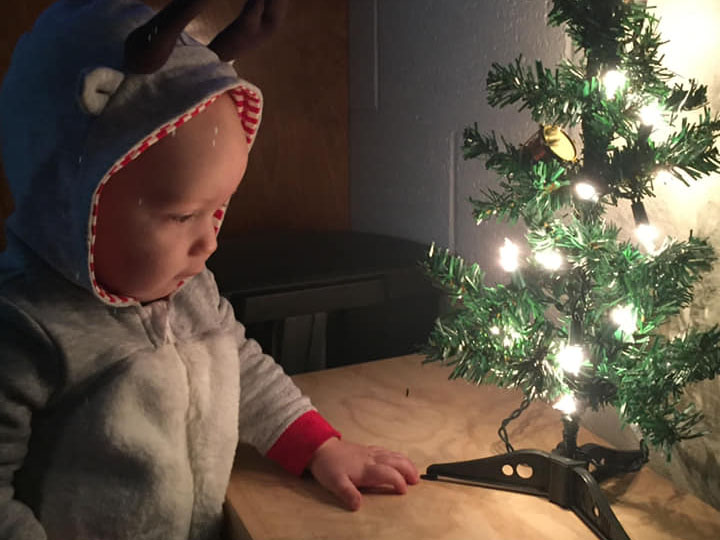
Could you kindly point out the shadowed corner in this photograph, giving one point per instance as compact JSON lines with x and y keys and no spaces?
{"x":617,"y":486}
{"x":6,"y":206}
{"x":667,"y":518}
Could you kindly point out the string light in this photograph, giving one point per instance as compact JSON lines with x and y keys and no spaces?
{"x":647,"y":235}
{"x":549,"y":259}
{"x":570,"y":358}
{"x":645,"y":232}
{"x":626,"y":319}
{"x":586,"y":191}
{"x":509,"y":256}
{"x":613,"y":81}
{"x":664,"y":177}
{"x":511,"y":336}
{"x":651,"y":115}
{"x":566,"y":404}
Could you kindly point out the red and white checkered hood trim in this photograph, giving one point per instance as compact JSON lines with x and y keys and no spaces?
{"x":248,"y":100}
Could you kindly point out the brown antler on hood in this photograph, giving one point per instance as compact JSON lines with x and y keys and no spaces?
{"x":259,"y":19}
{"x":148,"y":47}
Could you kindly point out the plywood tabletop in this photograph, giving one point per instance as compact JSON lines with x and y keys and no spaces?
{"x":412,"y":407}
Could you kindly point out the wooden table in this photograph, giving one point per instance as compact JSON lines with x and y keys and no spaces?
{"x":410,"y":407}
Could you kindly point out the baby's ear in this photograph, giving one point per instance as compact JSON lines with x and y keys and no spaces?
{"x":98,"y":86}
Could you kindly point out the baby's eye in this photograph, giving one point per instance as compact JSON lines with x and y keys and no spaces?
{"x":182,"y":218}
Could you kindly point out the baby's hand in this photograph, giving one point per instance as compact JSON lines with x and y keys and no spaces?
{"x":343,"y":467}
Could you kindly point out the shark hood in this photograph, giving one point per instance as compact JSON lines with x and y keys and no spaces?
{"x":72,"y":115}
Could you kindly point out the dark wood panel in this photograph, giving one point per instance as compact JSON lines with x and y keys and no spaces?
{"x":298,"y":174}
{"x":298,"y":169}
{"x":15,"y":19}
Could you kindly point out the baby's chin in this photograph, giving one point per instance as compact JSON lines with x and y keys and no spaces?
{"x":148,"y":296}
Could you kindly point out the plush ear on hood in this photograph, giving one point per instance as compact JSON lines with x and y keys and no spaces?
{"x":98,"y":87}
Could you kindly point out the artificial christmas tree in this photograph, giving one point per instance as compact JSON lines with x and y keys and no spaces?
{"x":580,"y":324}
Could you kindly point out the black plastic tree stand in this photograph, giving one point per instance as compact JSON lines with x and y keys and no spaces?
{"x":562,"y":476}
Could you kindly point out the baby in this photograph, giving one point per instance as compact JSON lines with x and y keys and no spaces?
{"x":126,"y":382}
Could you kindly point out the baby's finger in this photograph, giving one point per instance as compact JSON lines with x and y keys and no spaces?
{"x":380,"y":474}
{"x":345,"y":490}
{"x":402,"y":464}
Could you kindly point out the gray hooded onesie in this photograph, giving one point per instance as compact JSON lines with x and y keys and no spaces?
{"x":117,"y":420}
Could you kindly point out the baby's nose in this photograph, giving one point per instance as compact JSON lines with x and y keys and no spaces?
{"x":206,"y":242}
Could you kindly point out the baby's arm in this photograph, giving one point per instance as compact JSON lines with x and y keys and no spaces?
{"x":343,"y":467}
{"x":275,"y":417}
{"x":282,"y":424}
{"x":25,"y":356}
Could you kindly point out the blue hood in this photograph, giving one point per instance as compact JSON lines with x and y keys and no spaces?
{"x":69,"y":115}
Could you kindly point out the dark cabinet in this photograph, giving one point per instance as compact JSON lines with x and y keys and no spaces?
{"x":325,"y":299}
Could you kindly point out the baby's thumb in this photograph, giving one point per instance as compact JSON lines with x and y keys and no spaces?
{"x":346,"y":491}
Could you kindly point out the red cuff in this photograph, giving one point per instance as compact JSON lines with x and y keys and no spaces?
{"x":293,"y":450}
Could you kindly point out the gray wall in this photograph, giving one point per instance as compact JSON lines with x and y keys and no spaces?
{"x":417,"y":78}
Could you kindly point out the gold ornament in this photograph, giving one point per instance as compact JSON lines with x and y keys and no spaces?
{"x":551,"y":142}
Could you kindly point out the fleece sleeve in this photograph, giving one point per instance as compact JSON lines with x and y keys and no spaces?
{"x":274,"y":415}
{"x":26,"y":358}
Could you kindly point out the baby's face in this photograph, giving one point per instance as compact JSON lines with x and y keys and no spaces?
{"x":155,"y":223}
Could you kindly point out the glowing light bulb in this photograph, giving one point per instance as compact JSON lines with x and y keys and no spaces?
{"x":613,"y":81}
{"x":511,"y":336}
{"x":570,"y":358}
{"x":664,"y":177}
{"x":566,"y":404}
{"x":651,"y":115}
{"x":586,"y":191}
{"x":549,"y":259}
{"x":646,"y":235}
{"x":626,"y":319}
{"x":509,"y":256}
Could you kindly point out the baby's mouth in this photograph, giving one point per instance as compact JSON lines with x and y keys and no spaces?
{"x":188,"y":275}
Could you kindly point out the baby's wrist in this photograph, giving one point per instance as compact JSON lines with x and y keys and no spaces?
{"x":298,"y":444}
